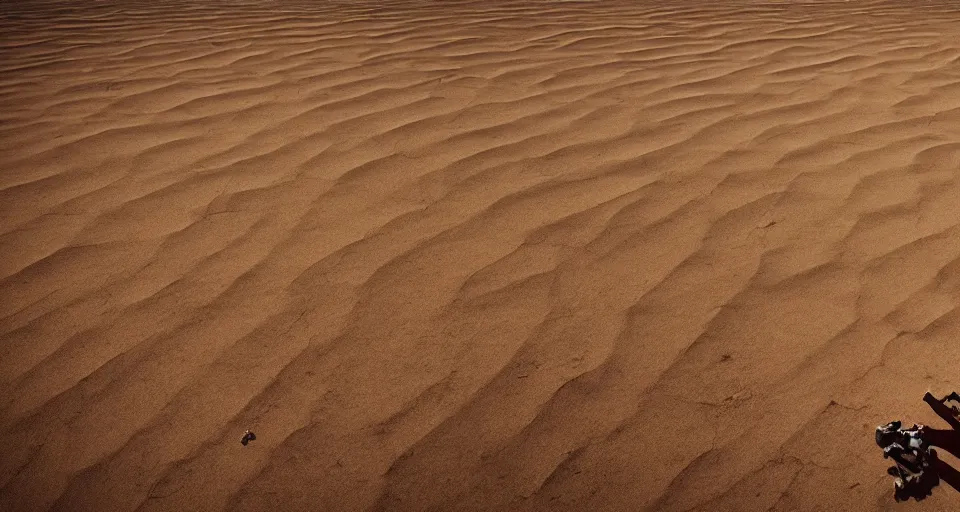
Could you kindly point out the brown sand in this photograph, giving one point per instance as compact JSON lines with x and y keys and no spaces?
{"x":473,"y":255}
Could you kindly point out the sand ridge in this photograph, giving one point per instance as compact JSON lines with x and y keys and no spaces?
{"x":473,"y":255}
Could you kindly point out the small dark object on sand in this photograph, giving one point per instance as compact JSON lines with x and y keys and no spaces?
{"x":914,"y":476}
{"x":247,"y":437}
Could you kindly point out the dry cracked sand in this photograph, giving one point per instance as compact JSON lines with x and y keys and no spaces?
{"x":473,"y":255}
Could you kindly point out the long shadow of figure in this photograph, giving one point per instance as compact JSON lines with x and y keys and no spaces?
{"x":945,"y":439}
{"x":950,"y":415}
{"x":946,"y":472}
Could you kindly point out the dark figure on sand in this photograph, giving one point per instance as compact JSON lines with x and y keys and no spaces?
{"x":918,"y":469}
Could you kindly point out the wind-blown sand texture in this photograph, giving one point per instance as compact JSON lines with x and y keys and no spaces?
{"x":473,"y":255}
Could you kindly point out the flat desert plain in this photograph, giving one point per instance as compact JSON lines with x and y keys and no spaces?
{"x":474,"y":255}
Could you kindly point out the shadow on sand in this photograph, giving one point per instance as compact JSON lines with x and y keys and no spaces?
{"x":946,"y":439}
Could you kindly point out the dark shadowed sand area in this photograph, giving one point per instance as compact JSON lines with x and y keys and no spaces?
{"x":473,"y":255}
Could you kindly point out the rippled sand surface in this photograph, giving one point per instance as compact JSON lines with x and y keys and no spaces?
{"x":473,"y":255}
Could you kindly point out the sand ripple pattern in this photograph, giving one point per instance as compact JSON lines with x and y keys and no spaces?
{"x":473,"y":255}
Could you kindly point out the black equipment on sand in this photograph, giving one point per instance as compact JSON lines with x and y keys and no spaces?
{"x":915,"y":461}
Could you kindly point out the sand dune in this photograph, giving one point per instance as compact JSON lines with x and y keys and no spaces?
{"x":473,"y":255}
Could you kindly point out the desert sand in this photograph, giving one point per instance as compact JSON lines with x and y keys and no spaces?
{"x":473,"y":255}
